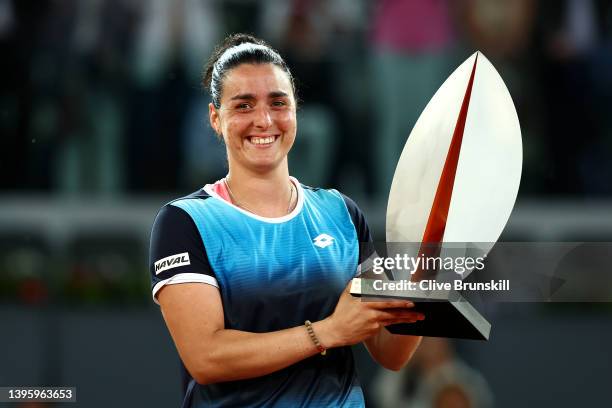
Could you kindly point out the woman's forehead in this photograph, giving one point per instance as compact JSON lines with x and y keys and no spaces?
{"x":256,"y":79}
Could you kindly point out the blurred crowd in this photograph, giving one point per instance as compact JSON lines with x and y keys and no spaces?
{"x":104,"y":97}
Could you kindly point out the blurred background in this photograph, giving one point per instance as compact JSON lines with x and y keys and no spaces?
{"x":103,"y":119}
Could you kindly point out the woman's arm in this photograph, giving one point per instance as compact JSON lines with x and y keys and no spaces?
{"x":194,"y":315}
{"x":392,"y":351}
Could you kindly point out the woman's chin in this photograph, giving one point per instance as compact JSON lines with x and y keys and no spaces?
{"x":263,"y":165}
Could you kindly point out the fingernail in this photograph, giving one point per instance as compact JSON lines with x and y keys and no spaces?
{"x":409,"y":304}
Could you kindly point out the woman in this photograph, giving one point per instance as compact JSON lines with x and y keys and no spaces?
{"x":241,"y":267}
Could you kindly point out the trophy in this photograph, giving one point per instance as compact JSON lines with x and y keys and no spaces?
{"x":453,"y":189}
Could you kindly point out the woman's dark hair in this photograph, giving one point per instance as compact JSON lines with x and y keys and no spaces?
{"x":238,"y":49}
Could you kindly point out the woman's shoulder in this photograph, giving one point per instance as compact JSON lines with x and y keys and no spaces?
{"x":329,"y":192}
{"x":172,"y":210}
{"x":334,"y":195}
{"x":349,"y":207}
{"x":200,"y":194}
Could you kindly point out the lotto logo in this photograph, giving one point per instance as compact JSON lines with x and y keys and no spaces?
{"x":323,"y":240}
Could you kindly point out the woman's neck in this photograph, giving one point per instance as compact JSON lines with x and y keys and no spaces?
{"x":269,"y":194}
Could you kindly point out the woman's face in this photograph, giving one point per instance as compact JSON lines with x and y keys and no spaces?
{"x":257,"y":116}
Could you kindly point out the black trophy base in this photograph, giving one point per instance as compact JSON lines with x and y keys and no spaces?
{"x":447,"y":313}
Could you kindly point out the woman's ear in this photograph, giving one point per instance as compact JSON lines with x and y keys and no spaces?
{"x":213,"y":117}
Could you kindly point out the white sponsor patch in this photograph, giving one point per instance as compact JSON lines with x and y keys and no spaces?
{"x":172,"y":261}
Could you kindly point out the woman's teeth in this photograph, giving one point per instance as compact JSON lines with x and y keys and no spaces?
{"x":262,"y":140}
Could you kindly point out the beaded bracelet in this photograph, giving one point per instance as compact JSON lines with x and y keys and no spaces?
{"x":314,"y":338}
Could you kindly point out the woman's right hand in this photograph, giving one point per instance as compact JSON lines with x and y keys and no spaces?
{"x":355,"y":320}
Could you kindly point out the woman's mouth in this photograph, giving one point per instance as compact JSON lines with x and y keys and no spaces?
{"x":262,"y":140}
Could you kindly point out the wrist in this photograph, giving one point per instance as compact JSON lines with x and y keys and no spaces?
{"x":326,"y":333}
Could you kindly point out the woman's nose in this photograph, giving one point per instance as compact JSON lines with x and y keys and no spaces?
{"x":263,"y":119}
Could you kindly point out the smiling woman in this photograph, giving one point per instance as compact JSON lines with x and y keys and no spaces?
{"x":243,"y":266}
{"x":256,"y":119}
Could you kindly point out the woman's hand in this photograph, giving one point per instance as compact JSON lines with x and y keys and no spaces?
{"x":355,"y":320}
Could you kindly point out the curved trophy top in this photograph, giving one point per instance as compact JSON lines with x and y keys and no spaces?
{"x":459,"y":173}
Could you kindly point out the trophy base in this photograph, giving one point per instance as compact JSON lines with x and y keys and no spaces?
{"x":447,"y":313}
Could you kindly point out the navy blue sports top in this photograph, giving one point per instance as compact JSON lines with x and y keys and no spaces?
{"x":272,"y":274}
